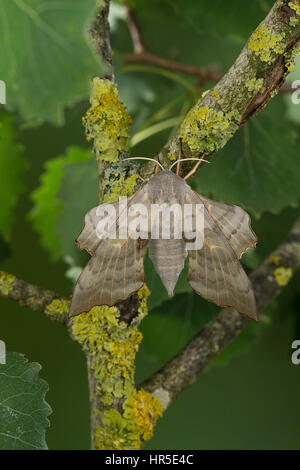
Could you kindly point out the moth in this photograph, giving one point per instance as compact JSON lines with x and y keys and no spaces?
{"x":115,"y":270}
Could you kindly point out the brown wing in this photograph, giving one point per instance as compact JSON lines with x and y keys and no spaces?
{"x":115,"y":270}
{"x":87,"y":238}
{"x":234,"y":223}
{"x":215,"y":271}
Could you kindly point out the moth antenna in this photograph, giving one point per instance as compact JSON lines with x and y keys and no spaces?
{"x":144,"y":158}
{"x":189,"y":159}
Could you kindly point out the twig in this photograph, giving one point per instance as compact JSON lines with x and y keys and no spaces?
{"x":203,"y":75}
{"x":136,"y":36}
{"x":287,"y":88}
{"x":181,"y":371}
{"x":99,"y":32}
{"x":37,"y":299}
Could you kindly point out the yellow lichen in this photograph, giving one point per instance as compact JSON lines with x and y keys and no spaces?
{"x":107,"y":121}
{"x":171,"y":156}
{"x":293,"y":21}
{"x":265,"y":43}
{"x":283,"y":275}
{"x":120,"y":187}
{"x":291,"y":58}
{"x":206,"y":129}
{"x":215,"y":94}
{"x":127,"y":431}
{"x":254,"y":84}
{"x":6,"y":281}
{"x":143,"y":294}
{"x":112,"y":346}
{"x":275,"y":260}
{"x":144,"y":409}
{"x":296,"y":7}
{"x":58,"y":307}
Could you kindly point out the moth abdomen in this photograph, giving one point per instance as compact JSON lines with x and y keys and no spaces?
{"x":168,"y":257}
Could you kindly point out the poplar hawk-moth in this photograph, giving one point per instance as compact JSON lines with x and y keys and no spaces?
{"x":115,"y":270}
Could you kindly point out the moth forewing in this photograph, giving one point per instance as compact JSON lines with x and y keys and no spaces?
{"x":234,"y":222}
{"x":193,"y":229}
{"x":215,"y":271}
{"x":106,"y":225}
{"x":115,"y":270}
{"x":138,"y":221}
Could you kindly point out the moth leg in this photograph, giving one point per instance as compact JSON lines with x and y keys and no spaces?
{"x":143,"y":180}
{"x":193,"y":170}
{"x":157,"y":164}
{"x":178,"y":166}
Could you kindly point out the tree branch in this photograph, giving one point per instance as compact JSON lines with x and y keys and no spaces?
{"x":37,"y":299}
{"x":287,"y":88}
{"x":267,"y":280}
{"x":135,"y":32}
{"x":203,"y":75}
{"x":99,"y":32}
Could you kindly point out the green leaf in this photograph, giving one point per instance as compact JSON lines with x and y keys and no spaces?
{"x":4,"y":249}
{"x":244,"y":340}
{"x":78,"y":194}
{"x":23,"y":409}
{"x":12,"y":166}
{"x":46,"y":59}
{"x":151,"y":130}
{"x":259,"y":166}
{"x":47,"y":205}
{"x":172,"y":324}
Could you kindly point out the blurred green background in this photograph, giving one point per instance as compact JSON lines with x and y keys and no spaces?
{"x":249,"y":397}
